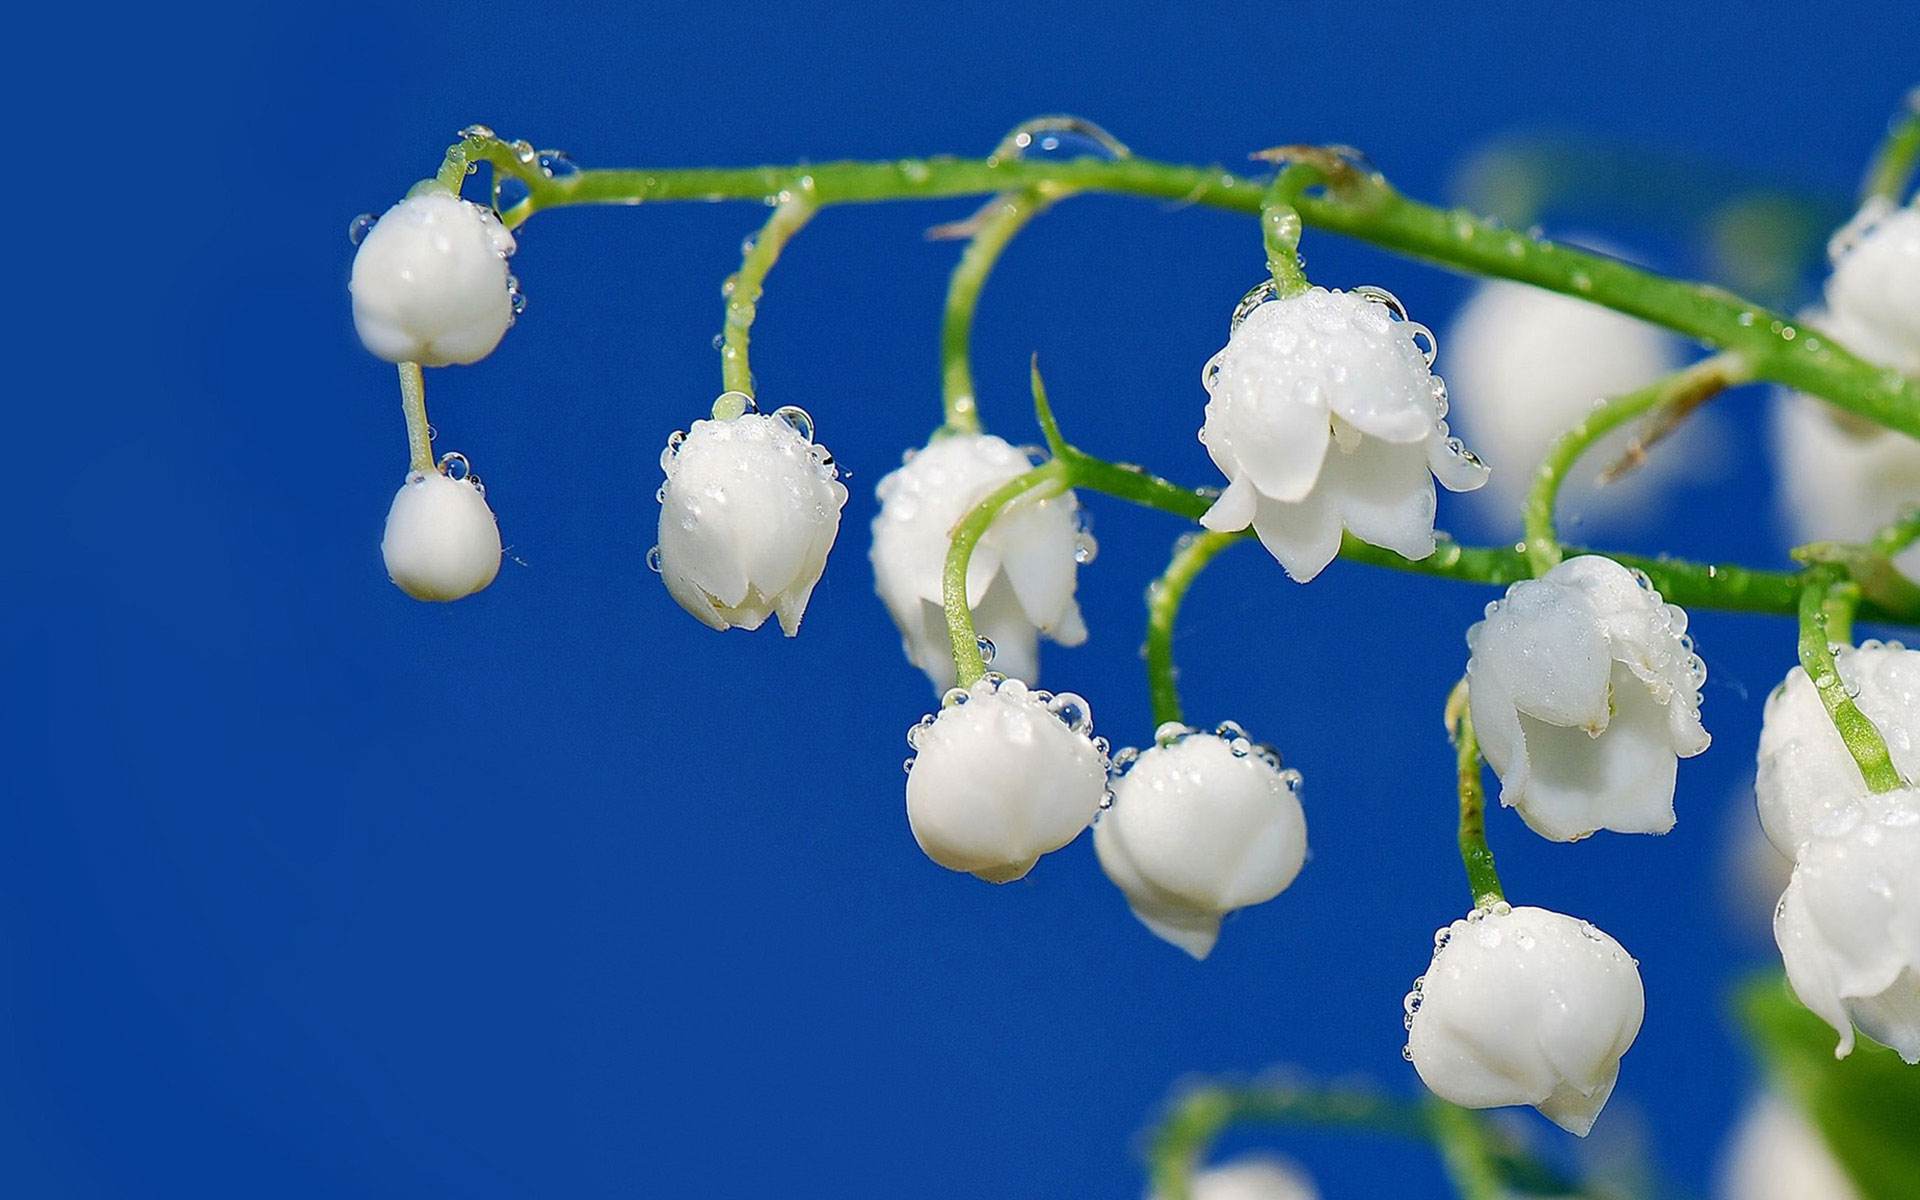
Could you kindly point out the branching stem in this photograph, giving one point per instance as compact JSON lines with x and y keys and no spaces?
{"x":1825,"y":590}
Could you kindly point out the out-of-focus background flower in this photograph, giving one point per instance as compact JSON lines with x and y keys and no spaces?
{"x":310,"y":889}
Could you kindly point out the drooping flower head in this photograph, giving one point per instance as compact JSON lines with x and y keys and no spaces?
{"x":1020,"y":579}
{"x":1201,"y":824}
{"x":1002,"y":775}
{"x":1775,"y":1153}
{"x":1585,"y":692}
{"x":748,"y":513}
{"x":1324,"y":414}
{"x":1525,"y":1006}
{"x":1250,"y":1177}
{"x":441,"y":542}
{"x":430,"y":282}
{"x":1875,"y":283}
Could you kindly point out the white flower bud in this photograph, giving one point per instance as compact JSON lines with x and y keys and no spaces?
{"x":749,"y":510}
{"x":1876,"y":275}
{"x":1323,"y":414}
{"x":441,"y":541}
{"x":1528,"y":365}
{"x":1002,"y":775}
{"x":430,"y":282}
{"x":1776,"y":1154}
{"x":1848,"y":927}
{"x":1252,"y":1177}
{"x":1021,"y":578}
{"x":1585,"y":691}
{"x":1808,"y":785}
{"x":1525,"y":1006}
{"x":1201,"y":824}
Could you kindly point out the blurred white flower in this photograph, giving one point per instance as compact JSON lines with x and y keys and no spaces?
{"x":749,"y":510}
{"x":1525,"y":1006}
{"x":1808,"y":785}
{"x":441,"y":542}
{"x":1021,"y":578}
{"x":1002,"y":775}
{"x":1526,"y":365}
{"x":1776,"y":1154}
{"x":430,"y":282}
{"x":1849,"y":926}
{"x":1876,"y":276}
{"x":1323,"y":413}
{"x":1251,"y":1177}
{"x":1585,"y":692}
{"x":1201,"y":824}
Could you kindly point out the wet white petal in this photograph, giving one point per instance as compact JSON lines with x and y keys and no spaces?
{"x":430,"y":283}
{"x":1776,"y":1154}
{"x":1876,"y":276}
{"x":441,"y":542}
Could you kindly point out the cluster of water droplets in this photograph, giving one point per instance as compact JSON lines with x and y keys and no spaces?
{"x":454,"y":466}
{"x":1442,"y":938}
{"x":1069,"y":708}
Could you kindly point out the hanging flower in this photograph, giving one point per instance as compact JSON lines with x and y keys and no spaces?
{"x":1849,"y":926}
{"x":430,"y":282}
{"x":1002,"y":775}
{"x":1021,"y":578}
{"x":1585,"y":691}
{"x":1876,"y":276}
{"x":1250,"y":1177}
{"x":748,"y":513}
{"x":1775,"y":1153}
{"x":1525,"y":1006}
{"x":1323,"y":414}
{"x":441,"y":542}
{"x":1201,"y":824}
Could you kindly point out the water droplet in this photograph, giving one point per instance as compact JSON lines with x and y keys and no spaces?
{"x":653,"y":556}
{"x":476,"y":132}
{"x":986,"y":648}
{"x":731,"y":405}
{"x":516,"y":297}
{"x":797,"y":419}
{"x":1072,"y":710}
{"x":1384,"y":298}
{"x":360,"y":227}
{"x":1256,"y":295}
{"x":1085,"y":548}
{"x":454,"y":465}
{"x":555,"y":164}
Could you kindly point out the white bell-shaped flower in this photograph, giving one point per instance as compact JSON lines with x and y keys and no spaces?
{"x":1324,"y":415}
{"x":1021,"y":578}
{"x":1808,"y":785}
{"x":1876,"y":275}
{"x":1525,"y":1006}
{"x":749,"y":510}
{"x":1848,"y":926}
{"x":1251,"y":1177}
{"x":1527,"y":365}
{"x":1001,"y":775}
{"x":430,"y":282}
{"x":441,"y":542}
{"x":1201,"y":824}
{"x":1775,"y":1153}
{"x":1585,"y":692}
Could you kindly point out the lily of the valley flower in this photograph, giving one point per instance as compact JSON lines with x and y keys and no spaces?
{"x":1002,"y":775}
{"x":1808,"y":785}
{"x":430,"y":282}
{"x":1776,"y":1154}
{"x":1324,"y":414}
{"x":1201,"y":824}
{"x":1849,"y":926}
{"x":748,"y":513}
{"x":441,"y":542}
{"x":1525,"y":1006}
{"x":1876,"y":275}
{"x":1021,"y":578}
{"x":1252,"y":1177}
{"x":1585,"y":692}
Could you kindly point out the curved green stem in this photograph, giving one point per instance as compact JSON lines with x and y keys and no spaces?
{"x":1191,"y":555}
{"x":1352,"y":202}
{"x":1680,"y":391}
{"x":969,"y":664}
{"x":994,"y":227}
{"x":1817,"y":631}
{"x":744,"y":287}
{"x":1482,"y":879}
{"x":1897,"y":535}
{"x":413,"y":405}
{"x":1467,"y":1152}
{"x":1894,"y":161}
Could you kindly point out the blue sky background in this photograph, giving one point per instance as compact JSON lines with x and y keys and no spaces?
{"x":313,"y":890}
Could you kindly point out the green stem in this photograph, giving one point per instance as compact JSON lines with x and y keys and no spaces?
{"x":1682,"y":390}
{"x":413,"y":404}
{"x":1894,"y":161}
{"x":1897,"y":535}
{"x":1181,"y":1141}
{"x":1354,"y":203}
{"x":743,"y":289}
{"x":1862,"y":739}
{"x":969,"y":664}
{"x":1191,"y":555}
{"x":1465,"y":1149}
{"x":1482,"y":879}
{"x":1280,"y":233}
{"x":995,"y":227}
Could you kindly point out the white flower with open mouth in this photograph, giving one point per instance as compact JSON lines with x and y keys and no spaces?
{"x":1020,"y":579}
{"x":748,"y":513}
{"x":1525,"y":1006}
{"x":430,"y":282}
{"x":1324,"y":414}
{"x":1002,"y":775}
{"x":1250,"y":1177}
{"x":1201,"y":824}
{"x":1849,"y":926}
{"x":441,"y":542}
{"x":1585,"y":692}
